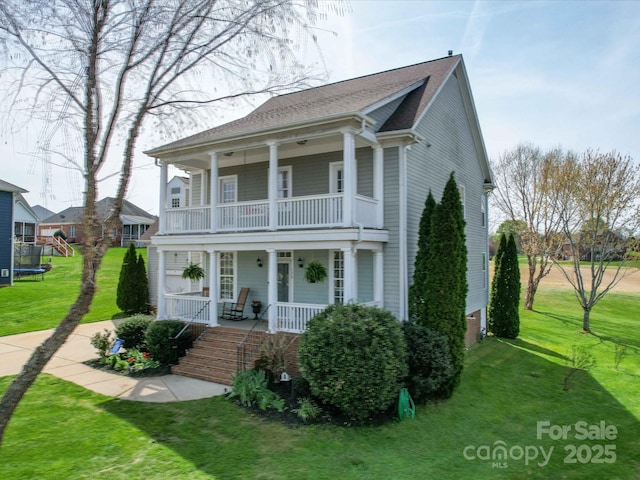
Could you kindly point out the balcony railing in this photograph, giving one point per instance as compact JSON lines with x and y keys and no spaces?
{"x":312,"y":211}
{"x":188,"y":219}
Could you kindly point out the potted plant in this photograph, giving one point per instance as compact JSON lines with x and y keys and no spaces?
{"x":193,"y":272}
{"x":315,"y":272}
{"x":256,"y":305}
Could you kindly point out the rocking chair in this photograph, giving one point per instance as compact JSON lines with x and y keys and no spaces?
{"x":234,"y":311}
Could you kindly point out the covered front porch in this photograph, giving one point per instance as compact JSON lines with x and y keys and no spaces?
{"x":275,"y":279}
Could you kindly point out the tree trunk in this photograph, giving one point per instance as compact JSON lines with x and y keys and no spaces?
{"x":585,"y":320}
{"x":532,"y":287}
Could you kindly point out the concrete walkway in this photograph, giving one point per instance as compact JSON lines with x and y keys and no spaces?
{"x":67,"y":364}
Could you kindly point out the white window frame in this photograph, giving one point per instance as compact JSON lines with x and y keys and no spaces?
{"x":287,"y":257}
{"x":336,"y":292}
{"x":334,"y":168}
{"x":221,"y":181}
{"x":289,"y":190}
{"x":234,"y":276}
{"x":484,"y":270}
{"x":483,"y":212}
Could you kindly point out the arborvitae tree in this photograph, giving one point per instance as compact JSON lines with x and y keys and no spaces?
{"x":446,"y":278}
{"x":504,"y":318}
{"x":133,"y":291}
{"x":421,"y":265}
{"x":494,"y":300}
{"x":142,"y":286}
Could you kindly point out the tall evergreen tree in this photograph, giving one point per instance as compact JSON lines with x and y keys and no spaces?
{"x":142,"y":286}
{"x":421,"y":265}
{"x":504,"y":320}
{"x":133,"y":289}
{"x":446,"y":278}
{"x":494,"y":300}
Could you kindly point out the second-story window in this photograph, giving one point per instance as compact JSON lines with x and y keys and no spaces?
{"x":284,"y":182}
{"x":228,"y":190}
{"x":336,"y":178}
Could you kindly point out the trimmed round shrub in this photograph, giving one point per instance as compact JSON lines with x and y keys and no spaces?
{"x":161,"y":344}
{"x":429,"y":361}
{"x":354,"y":358}
{"x":132,"y":331}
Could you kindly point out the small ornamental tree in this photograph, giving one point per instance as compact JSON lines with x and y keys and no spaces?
{"x":504,"y":320}
{"x":494,"y":301}
{"x":421,"y":265}
{"x":133,"y":290}
{"x":446,"y":278}
{"x":354,"y":358}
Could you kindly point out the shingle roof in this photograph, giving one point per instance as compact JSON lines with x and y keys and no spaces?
{"x":103,"y":208}
{"x":341,"y":98}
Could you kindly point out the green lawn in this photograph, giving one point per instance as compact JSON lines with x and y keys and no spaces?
{"x":31,"y":305}
{"x":63,"y":431}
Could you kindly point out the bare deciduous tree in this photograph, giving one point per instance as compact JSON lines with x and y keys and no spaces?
{"x":93,"y":71}
{"x":600,"y":192}
{"x":522,"y":177}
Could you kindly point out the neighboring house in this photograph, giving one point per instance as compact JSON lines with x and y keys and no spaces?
{"x":25,"y":221}
{"x":8,"y":195}
{"x":131,"y":225}
{"x":42,"y":212}
{"x":178,"y":192}
{"x":337,"y":174}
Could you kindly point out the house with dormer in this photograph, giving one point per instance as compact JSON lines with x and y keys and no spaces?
{"x":336,"y":175}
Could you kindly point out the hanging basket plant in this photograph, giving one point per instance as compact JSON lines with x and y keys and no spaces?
{"x":315,"y":272}
{"x":193,"y":272}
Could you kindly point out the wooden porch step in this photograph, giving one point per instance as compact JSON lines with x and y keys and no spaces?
{"x":214,"y":356}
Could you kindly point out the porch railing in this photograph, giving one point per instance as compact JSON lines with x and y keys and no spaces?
{"x":190,"y":308}
{"x":188,"y":219}
{"x":366,"y":208}
{"x":293,"y":317}
{"x":310,"y":211}
{"x":243,"y":216}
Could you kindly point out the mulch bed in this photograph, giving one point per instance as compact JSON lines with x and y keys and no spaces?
{"x":147,"y":372}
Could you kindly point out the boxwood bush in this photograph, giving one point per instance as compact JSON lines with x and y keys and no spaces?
{"x":354,"y":358}
{"x":429,"y":361}
{"x":161,"y":344}
{"x":132,"y":331}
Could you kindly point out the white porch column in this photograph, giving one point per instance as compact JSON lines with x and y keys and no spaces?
{"x":273,"y":290}
{"x":349,"y":276}
{"x":378,"y":184}
{"x":213,"y":187}
{"x":378,"y":278}
{"x":162,"y":222}
{"x":162,"y":271}
{"x":273,"y":185}
{"x":213,"y":287}
{"x":349,"y":168}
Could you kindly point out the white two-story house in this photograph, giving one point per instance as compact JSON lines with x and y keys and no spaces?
{"x":336,"y":174}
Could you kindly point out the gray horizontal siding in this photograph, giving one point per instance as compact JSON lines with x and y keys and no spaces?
{"x":392,"y":224}
{"x":446,"y":128}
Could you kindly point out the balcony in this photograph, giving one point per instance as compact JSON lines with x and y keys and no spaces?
{"x":312,"y":211}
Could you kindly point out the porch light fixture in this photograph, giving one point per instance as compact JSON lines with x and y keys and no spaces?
{"x":300,"y":262}
{"x":259,"y":262}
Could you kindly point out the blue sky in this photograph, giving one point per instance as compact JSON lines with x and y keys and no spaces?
{"x":553,"y":73}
